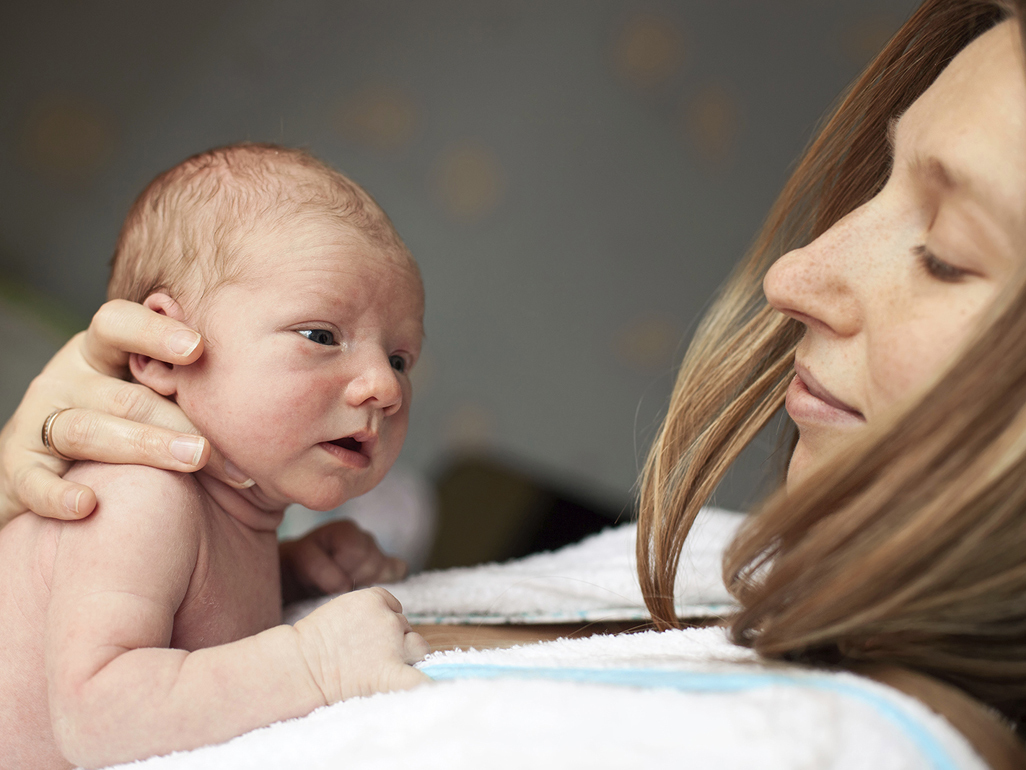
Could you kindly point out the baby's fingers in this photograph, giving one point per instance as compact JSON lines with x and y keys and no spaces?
{"x":315,"y":568}
{"x":389,"y":601}
{"x":393,"y":569}
{"x":406,"y":678}
{"x":415,"y":647}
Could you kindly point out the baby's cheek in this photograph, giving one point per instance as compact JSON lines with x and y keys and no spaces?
{"x":294,"y":411}
{"x":249,"y":417}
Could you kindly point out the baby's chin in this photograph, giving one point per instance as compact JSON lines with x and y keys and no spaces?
{"x":330,"y":494}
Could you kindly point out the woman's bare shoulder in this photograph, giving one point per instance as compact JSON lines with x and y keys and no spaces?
{"x":987,"y":731}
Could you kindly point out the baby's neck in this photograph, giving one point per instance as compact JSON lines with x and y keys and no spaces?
{"x":244,"y":505}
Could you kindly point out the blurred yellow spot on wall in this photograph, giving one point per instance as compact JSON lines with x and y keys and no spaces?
{"x":648,"y":343}
{"x":712,"y":122}
{"x":468,"y":181}
{"x":67,"y":138}
{"x":382,"y":117}
{"x":469,"y":427}
{"x":648,"y":50}
{"x":865,"y":38}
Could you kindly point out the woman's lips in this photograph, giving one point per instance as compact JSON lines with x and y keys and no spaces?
{"x":809,"y":402}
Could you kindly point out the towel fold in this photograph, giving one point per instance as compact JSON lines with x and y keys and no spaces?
{"x":594,"y":580}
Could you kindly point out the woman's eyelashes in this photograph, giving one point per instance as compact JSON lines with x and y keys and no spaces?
{"x":937,"y":268}
{"x":320,"y":336}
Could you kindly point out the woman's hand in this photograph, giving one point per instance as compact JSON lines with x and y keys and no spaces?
{"x":334,"y":558}
{"x":108,"y":419}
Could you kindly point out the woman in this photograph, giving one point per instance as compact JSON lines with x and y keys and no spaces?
{"x":904,"y":317}
{"x":899,"y":301}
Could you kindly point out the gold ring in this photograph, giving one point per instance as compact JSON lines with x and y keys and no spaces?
{"x":48,"y":440}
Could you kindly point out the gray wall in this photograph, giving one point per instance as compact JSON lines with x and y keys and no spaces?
{"x":576,"y":177}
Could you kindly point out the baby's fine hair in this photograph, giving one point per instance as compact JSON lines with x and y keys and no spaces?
{"x":184,"y":230}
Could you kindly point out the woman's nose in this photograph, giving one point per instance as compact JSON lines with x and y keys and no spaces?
{"x":815,"y":285}
{"x":377,"y":385}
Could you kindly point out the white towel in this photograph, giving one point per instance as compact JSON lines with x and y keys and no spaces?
{"x":594,"y":580}
{"x":678,"y":698}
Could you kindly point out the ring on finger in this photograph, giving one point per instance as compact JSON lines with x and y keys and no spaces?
{"x":48,"y":438}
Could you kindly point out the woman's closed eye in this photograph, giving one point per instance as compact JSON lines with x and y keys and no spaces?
{"x":320,"y":336}
{"x":937,"y":268}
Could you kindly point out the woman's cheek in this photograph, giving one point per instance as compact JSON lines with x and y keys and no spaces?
{"x":907,"y":361}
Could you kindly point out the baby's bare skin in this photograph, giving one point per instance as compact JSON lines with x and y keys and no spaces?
{"x":137,"y":632}
{"x":153,"y":624}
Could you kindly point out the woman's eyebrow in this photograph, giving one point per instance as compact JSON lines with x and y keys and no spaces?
{"x":934,"y":171}
{"x":926,"y":167}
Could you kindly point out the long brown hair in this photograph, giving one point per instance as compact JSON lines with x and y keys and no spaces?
{"x":911,"y":547}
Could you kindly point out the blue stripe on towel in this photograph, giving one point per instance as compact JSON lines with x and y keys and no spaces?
{"x":702,"y":681}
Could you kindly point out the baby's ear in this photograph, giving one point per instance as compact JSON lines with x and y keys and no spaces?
{"x":151,"y":372}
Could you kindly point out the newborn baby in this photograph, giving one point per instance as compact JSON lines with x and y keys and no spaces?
{"x":154,"y":624}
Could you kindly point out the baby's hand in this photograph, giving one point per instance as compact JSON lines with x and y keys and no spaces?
{"x":334,"y":558}
{"x":359,"y":644}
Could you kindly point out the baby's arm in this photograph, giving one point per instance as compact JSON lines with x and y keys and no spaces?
{"x":118,"y":693}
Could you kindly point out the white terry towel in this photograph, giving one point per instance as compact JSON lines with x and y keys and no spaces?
{"x":679,"y":698}
{"x":594,"y":580}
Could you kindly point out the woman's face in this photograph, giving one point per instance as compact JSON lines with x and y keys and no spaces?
{"x":889,"y":292}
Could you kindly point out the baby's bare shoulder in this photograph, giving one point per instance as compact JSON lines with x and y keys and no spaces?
{"x":149,"y":495}
{"x":125,"y":478}
{"x":148,"y":528}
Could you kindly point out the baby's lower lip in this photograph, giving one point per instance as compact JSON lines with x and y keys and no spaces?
{"x":805,"y":408}
{"x":347,"y":457}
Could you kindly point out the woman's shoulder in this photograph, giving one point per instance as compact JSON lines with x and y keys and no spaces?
{"x":988,"y":732}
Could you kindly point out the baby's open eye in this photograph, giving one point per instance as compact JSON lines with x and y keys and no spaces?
{"x":398,"y":363}
{"x":320,"y":336}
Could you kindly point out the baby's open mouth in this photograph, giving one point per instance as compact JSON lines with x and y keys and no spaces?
{"x":349,"y":443}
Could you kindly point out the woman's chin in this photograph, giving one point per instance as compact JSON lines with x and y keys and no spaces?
{"x":800,"y":466}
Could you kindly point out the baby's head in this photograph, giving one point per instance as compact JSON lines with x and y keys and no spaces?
{"x":310,"y":306}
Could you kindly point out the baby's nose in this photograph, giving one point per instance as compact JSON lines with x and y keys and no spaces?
{"x":378,"y":385}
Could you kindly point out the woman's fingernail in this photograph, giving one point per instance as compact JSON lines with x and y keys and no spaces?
{"x":240,"y":479}
{"x":187,"y":450}
{"x":71,"y":500}
{"x":183,"y":342}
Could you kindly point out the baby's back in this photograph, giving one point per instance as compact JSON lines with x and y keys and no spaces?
{"x":27,"y":548}
{"x":229,"y":590}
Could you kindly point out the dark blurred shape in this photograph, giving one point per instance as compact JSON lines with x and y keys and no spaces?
{"x":490,"y":510}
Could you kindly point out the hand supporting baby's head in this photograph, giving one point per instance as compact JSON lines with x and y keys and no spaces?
{"x":310,"y":305}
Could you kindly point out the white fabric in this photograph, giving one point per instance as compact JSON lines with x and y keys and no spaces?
{"x":680,"y":698}
{"x":596,"y":579}
{"x":713,"y":706}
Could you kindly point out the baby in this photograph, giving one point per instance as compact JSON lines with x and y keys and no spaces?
{"x":155,"y":624}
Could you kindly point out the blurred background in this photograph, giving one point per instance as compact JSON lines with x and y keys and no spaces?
{"x":575,"y":177}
